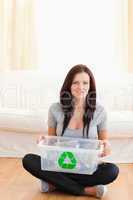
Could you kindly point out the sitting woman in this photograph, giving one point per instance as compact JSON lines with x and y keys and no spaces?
{"x":76,"y":115}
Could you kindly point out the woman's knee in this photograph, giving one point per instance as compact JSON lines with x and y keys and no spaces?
{"x":27,"y":160}
{"x":112,"y":171}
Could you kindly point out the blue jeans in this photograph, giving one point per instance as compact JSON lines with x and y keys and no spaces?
{"x":70,"y":182}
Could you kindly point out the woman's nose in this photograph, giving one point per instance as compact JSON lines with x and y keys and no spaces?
{"x":81,"y":86}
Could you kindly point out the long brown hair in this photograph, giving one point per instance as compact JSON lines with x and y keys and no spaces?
{"x":66,"y":98}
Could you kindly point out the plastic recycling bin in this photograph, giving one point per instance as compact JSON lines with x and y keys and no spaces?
{"x":72,"y":155}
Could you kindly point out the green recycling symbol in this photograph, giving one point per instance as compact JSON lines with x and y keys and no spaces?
{"x":67,"y":160}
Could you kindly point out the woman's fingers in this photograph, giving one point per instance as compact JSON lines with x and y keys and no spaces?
{"x":106,"y":148}
{"x":41,"y":138}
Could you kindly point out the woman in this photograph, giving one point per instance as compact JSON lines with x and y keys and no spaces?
{"x":76,"y":115}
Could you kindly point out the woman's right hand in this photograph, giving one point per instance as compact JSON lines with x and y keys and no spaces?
{"x":40,"y":139}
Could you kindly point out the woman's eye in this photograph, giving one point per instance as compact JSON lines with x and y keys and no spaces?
{"x":85,"y":83}
{"x":75,"y":82}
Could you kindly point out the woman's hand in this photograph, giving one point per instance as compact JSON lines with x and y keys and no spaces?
{"x":106,"y":148}
{"x":40,"y":139}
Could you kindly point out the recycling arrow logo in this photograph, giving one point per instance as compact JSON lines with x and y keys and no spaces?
{"x":67,"y":160}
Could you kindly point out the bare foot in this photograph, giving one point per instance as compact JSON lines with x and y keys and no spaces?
{"x":51,"y":187}
{"x":98,"y":191}
{"x":91,"y":191}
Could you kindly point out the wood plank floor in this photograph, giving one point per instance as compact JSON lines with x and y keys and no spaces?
{"x":17,"y":184}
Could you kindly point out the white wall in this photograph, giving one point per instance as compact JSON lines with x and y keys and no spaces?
{"x":82,"y":31}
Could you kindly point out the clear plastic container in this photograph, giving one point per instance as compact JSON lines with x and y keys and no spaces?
{"x":67,"y":154}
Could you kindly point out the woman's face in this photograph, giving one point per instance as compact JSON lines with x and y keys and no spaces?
{"x":80,"y":85}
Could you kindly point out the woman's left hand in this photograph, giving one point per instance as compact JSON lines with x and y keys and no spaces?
{"x":106,"y":148}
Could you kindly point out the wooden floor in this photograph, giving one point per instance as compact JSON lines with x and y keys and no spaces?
{"x":17,"y":184}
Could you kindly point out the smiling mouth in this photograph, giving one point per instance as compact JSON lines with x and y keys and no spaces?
{"x":81,"y":91}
